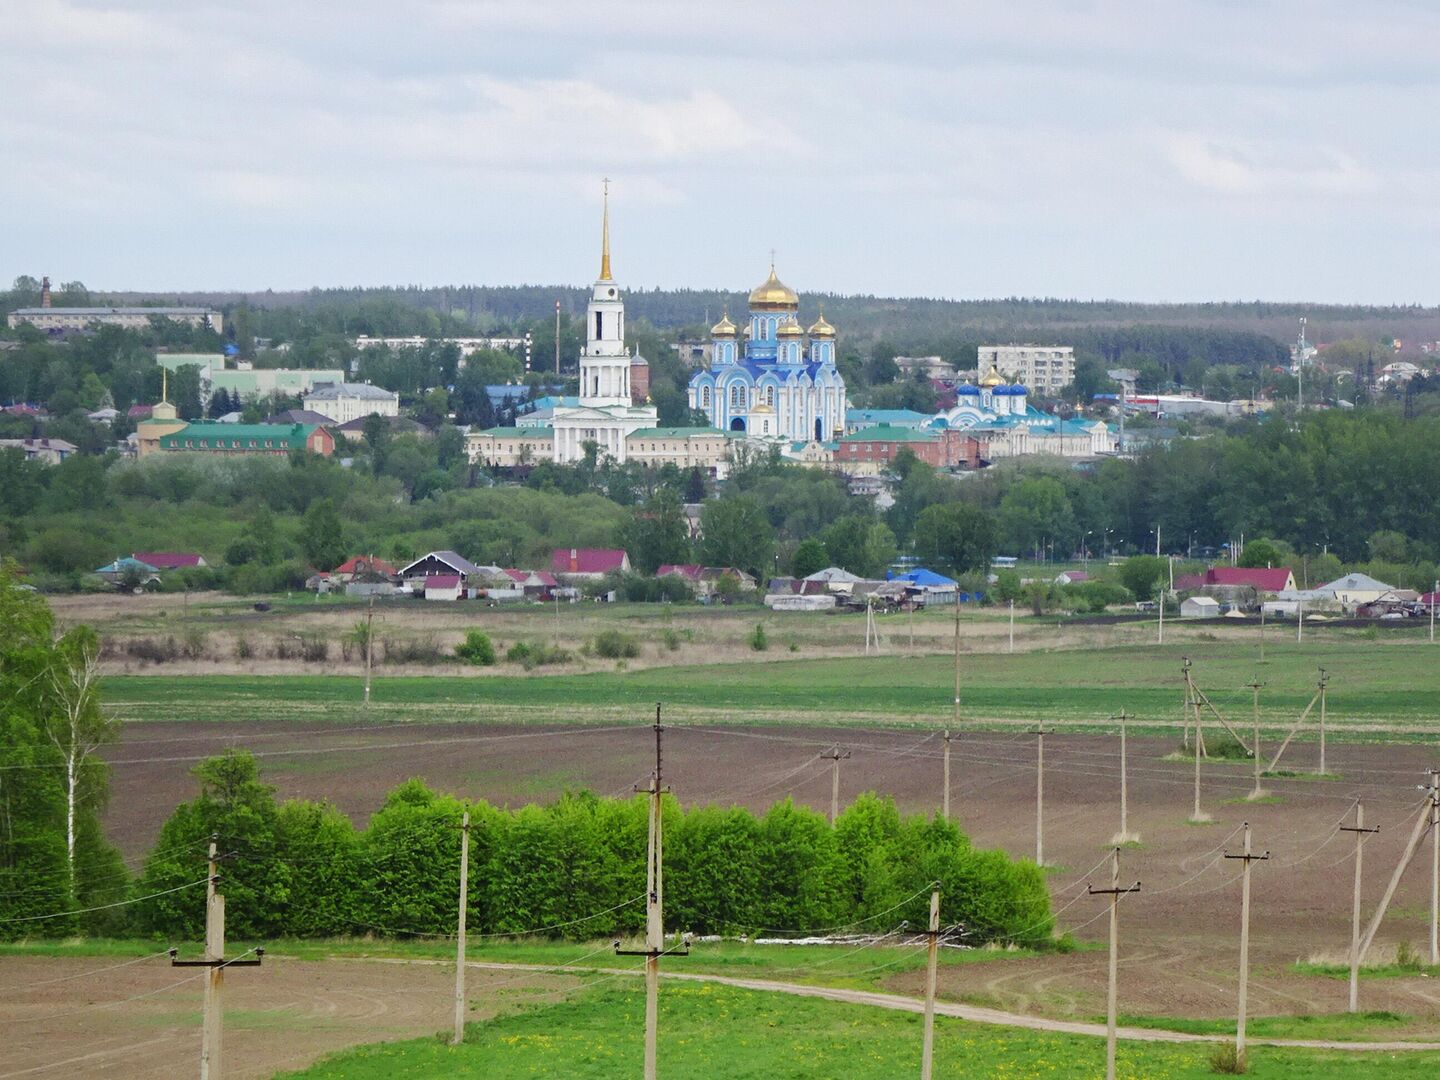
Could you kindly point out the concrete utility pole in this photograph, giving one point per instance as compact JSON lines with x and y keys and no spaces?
{"x":460,"y":929}
{"x":835,"y":756}
{"x":211,"y":1040}
{"x":1422,"y":824}
{"x":1299,"y":621}
{"x":1012,"y":626}
{"x":654,"y":911}
{"x":1262,"y":631}
{"x":1323,"y":680}
{"x":1360,"y":832}
{"x":1255,"y":736}
{"x":369,"y":644}
{"x":945,"y":781}
{"x":1039,"y":734}
{"x":1246,"y":858}
{"x":1124,"y":836}
{"x":557,"y":337}
{"x":927,"y":1047}
{"x":1434,"y":868}
{"x":1114,"y":892}
{"x":1434,"y":599}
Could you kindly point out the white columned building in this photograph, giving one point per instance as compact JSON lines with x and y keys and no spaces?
{"x":605,"y":414}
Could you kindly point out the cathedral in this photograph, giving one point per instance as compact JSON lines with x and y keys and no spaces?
{"x":776,"y":385}
{"x":605,"y":413}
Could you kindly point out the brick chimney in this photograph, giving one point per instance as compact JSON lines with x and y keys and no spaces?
{"x":44,"y":291}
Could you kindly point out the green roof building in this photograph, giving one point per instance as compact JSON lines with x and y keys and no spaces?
{"x":249,"y":439}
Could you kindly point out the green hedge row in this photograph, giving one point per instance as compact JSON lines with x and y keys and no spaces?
{"x":302,"y":869}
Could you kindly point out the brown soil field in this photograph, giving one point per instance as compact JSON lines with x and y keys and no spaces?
{"x":1179,"y":934}
{"x":135,"y":1022}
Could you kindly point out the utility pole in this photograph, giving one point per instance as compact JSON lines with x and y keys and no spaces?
{"x":1299,"y":621}
{"x":557,"y":337}
{"x":460,"y":927}
{"x":945,"y":781}
{"x":1423,"y":822}
{"x":1360,"y":832}
{"x":1434,"y":598}
{"x":1115,"y":892}
{"x":835,"y":757}
{"x":927,"y":1049}
{"x":1323,"y":680}
{"x":654,"y":911}
{"x":369,"y":644}
{"x":1039,"y":734}
{"x":1434,"y":867}
{"x":1262,"y":631}
{"x":1246,"y":858}
{"x":1255,"y":735}
{"x":211,"y":1055}
{"x":1012,"y":625}
{"x":1123,"y":836}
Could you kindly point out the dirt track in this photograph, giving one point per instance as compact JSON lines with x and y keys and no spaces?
{"x":1179,"y":934}
{"x":280,"y":1016}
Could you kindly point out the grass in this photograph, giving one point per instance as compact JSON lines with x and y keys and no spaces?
{"x":1349,"y":1027}
{"x":1371,"y":687}
{"x":727,"y":1033}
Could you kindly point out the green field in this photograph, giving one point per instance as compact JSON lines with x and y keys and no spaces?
{"x":725,"y":1032}
{"x":1381,"y":683}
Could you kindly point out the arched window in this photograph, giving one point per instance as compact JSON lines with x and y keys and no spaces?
{"x":705,"y":397}
{"x":770,"y":396}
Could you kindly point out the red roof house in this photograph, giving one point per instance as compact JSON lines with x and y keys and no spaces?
{"x":168,"y":560}
{"x":365,"y":564}
{"x":588,"y":562}
{"x":1260,"y":578}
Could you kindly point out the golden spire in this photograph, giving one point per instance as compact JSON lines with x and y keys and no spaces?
{"x":605,"y":235}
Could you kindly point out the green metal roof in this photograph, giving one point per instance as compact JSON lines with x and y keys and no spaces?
{"x":537,"y":432}
{"x":889,"y":433}
{"x":226,"y":437}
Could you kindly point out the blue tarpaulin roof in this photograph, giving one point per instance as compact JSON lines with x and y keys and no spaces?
{"x":921,"y":576}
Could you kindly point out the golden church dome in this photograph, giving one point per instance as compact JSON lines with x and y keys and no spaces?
{"x":723,"y":328}
{"x":821,"y":328}
{"x":994,"y":378}
{"x":789,"y":328}
{"x":774,"y":295}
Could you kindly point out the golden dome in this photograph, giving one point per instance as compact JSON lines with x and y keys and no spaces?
{"x":723,"y":328}
{"x":774,"y":295}
{"x":821,"y":328}
{"x":993,"y":379}
{"x":789,"y":328}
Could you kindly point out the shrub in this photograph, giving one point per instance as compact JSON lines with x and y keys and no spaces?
{"x":194,"y":645}
{"x":243,"y":649}
{"x":422,"y":650}
{"x":670,"y":639}
{"x":1226,"y":1060}
{"x":613,"y":645}
{"x":530,"y":656}
{"x":1095,"y":596}
{"x":152,"y":650}
{"x":758,"y":641}
{"x":314,"y":649}
{"x":476,"y":649}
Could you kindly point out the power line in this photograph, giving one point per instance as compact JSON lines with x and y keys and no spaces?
{"x":104,"y":907}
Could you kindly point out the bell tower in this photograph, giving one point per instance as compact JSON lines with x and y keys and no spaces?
{"x":605,"y":365}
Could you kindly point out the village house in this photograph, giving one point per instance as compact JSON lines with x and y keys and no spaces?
{"x":588,"y":562}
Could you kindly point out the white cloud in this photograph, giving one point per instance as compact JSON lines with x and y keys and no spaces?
{"x":1280,"y":169}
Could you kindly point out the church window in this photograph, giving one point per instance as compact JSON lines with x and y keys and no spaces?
{"x":705,"y":398}
{"x":599,"y":321}
{"x":770,"y":396}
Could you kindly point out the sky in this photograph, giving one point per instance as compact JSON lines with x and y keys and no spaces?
{"x":1157,"y":150}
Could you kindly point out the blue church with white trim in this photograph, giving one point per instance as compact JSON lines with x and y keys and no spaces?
{"x":775,"y":379}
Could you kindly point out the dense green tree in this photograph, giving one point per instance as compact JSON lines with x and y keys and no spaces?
{"x":322,"y":538}
{"x":956,"y":536}
{"x":658,"y":534}
{"x":860,"y":544}
{"x":1262,"y":552}
{"x":1142,"y":575}
{"x":1036,"y":510}
{"x":810,"y":557}
{"x":735,"y":532}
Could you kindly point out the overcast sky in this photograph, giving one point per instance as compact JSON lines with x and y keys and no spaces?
{"x":1154,"y":150}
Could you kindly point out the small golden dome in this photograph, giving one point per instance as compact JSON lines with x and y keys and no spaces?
{"x":774,"y":295}
{"x":789,"y":328}
{"x":821,"y":328}
{"x":994,"y":378}
{"x":723,"y":328}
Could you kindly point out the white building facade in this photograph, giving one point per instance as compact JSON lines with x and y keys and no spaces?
{"x":343,"y":402}
{"x":1045,"y":369}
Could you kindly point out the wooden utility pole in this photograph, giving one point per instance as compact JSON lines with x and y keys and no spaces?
{"x":835,"y":756}
{"x":1255,"y":735}
{"x":1114,"y":892}
{"x":1360,"y":832}
{"x":460,"y":929}
{"x":1246,"y":858}
{"x":1039,"y":734}
{"x":654,"y":910}
{"x":1315,"y":698}
{"x":369,"y":646}
{"x":927,"y":1048}
{"x":212,"y":1035}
